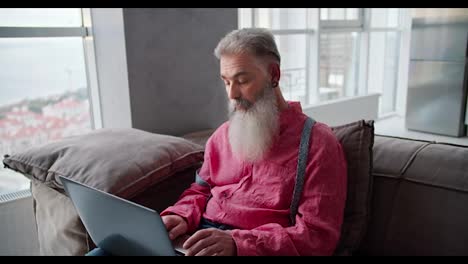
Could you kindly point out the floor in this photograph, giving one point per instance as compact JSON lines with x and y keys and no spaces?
{"x":395,"y":126}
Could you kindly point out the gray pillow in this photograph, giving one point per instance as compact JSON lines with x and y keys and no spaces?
{"x":357,"y":140}
{"x":123,"y":162}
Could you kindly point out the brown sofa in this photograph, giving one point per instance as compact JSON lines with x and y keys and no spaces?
{"x":418,"y":203}
{"x":419,"y":199}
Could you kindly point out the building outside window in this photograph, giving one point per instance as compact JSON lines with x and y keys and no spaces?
{"x":44,"y":91}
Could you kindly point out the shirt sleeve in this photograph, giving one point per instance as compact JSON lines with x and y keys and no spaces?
{"x":192,"y":202}
{"x":319,"y":217}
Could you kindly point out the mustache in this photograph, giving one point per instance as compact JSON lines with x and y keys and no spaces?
{"x":241,"y":102}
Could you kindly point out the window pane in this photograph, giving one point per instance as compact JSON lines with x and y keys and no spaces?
{"x":40,"y":17}
{"x":281,"y":18}
{"x":11,"y":181}
{"x":43,"y":95}
{"x":383,"y":68}
{"x":324,"y":13}
{"x":352,"y":14}
{"x":293,"y":66}
{"x":338,"y":65}
{"x":378,"y":17}
{"x":262,"y":17}
{"x":393,"y":17}
{"x":384,"y":17}
{"x":337,"y":13}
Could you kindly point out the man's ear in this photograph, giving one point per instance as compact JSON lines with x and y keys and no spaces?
{"x":275,"y":74}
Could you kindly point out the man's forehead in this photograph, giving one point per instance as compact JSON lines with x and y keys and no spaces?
{"x":233,"y":74}
{"x":232,"y":66}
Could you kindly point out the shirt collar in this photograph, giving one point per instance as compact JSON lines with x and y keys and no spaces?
{"x":285,"y":116}
{"x":294,"y":108}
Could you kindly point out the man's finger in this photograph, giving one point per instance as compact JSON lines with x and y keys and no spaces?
{"x":176,"y":231}
{"x":209,"y":251}
{"x":169,"y":222}
{"x":197,"y":236}
{"x":200,"y":245}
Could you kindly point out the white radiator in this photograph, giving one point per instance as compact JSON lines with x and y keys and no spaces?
{"x":18,"y":234}
{"x":10,"y":197}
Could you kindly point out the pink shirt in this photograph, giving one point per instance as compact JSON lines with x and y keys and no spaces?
{"x":255,"y":198}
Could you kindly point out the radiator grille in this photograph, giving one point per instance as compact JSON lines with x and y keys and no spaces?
{"x":8,"y":197}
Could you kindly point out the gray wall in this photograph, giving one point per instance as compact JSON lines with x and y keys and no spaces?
{"x":173,"y":75}
{"x":18,"y":234}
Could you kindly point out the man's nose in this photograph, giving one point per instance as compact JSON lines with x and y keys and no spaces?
{"x":233,"y":92}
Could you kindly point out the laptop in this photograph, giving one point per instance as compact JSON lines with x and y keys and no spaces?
{"x":118,"y":226}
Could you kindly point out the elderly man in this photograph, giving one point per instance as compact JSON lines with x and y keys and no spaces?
{"x":273,"y":181}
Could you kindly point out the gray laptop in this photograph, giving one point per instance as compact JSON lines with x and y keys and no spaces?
{"x":118,"y":226}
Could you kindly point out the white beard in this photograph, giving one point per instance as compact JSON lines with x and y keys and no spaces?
{"x":252,"y":132}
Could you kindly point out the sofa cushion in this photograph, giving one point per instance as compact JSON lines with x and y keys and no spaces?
{"x":123,"y":162}
{"x":391,"y":158}
{"x":357,"y":140}
{"x":59,"y":229}
{"x":420,"y":192}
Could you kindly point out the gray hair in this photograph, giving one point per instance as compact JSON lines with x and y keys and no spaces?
{"x":257,"y":41}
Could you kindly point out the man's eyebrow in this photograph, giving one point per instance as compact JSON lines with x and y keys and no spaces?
{"x":236,"y":75}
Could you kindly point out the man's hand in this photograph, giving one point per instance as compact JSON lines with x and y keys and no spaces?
{"x":211,"y":242}
{"x":175,"y":225}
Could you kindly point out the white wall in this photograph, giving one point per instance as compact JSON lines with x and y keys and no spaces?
{"x":344,"y":111}
{"x":111,"y":63}
{"x":405,"y":42}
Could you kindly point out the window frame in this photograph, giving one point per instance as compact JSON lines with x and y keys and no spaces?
{"x":342,"y":23}
{"x":85,"y":32}
{"x":399,"y":32}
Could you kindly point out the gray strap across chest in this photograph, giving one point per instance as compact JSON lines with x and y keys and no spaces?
{"x":301,"y":166}
{"x":200,"y":181}
{"x":300,"y":172}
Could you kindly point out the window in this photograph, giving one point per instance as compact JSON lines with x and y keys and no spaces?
{"x":340,"y":17}
{"x":339,"y":62}
{"x":384,"y":50}
{"x":333,"y":53}
{"x":293,"y":81}
{"x":40,"y":17}
{"x":44,"y":92}
{"x":295,"y":32}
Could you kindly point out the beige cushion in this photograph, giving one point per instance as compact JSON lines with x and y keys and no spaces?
{"x":59,"y":229}
{"x":120,"y":161}
{"x":357,"y":140}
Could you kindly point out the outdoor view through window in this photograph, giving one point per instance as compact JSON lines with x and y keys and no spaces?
{"x":43,"y":87}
